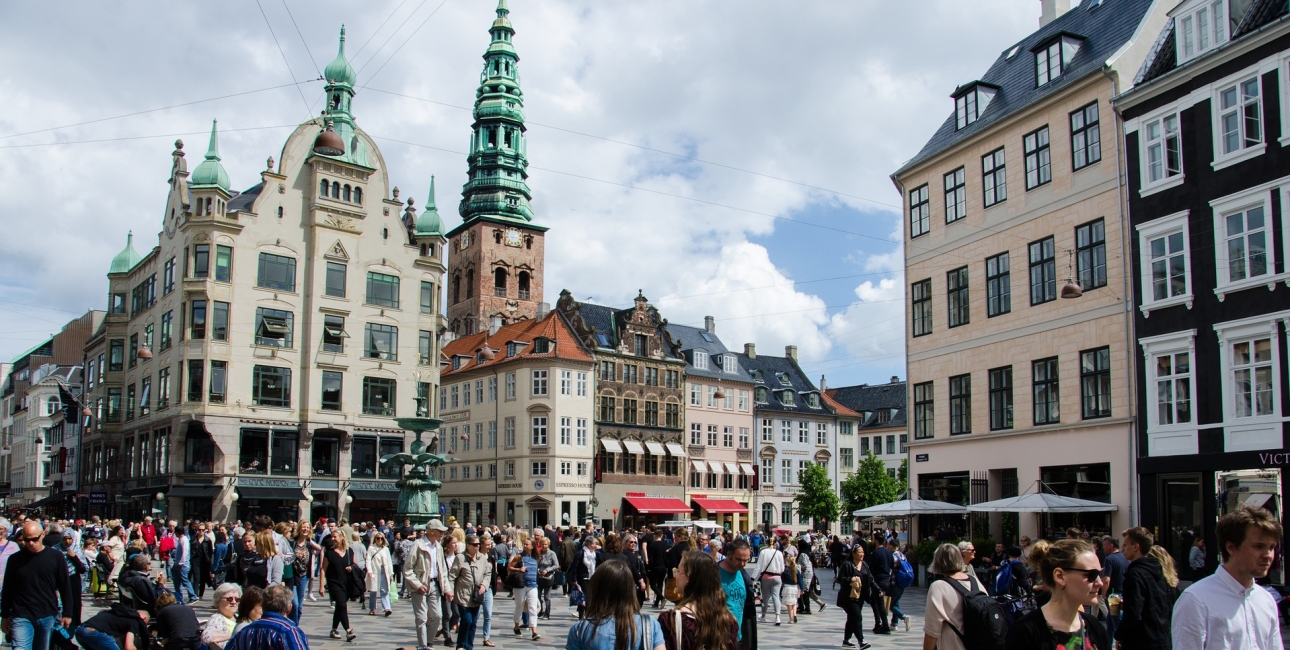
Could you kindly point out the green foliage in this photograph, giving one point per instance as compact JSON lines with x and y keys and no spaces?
{"x":869,"y":486}
{"x":924,"y":551}
{"x":816,"y":498}
{"x":903,"y":474}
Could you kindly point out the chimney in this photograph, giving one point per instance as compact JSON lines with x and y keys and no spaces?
{"x":710,"y":324}
{"x":750,"y":350}
{"x":1051,"y":10}
{"x":895,"y":379}
{"x":824,"y":384}
{"x":544,"y":308}
{"x":494,"y":324}
{"x":790,"y":351}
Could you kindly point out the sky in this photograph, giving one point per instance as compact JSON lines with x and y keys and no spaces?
{"x":728,"y":158}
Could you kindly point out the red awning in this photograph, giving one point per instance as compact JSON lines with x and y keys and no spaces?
{"x":721,"y":506}
{"x":657,"y":506}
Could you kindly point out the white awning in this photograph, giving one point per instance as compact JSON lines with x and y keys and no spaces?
{"x":699,"y":466}
{"x":633,"y":447}
{"x":732,"y":468}
{"x":675,"y":450}
{"x":748,"y":469}
{"x":611,"y":445}
{"x":656,"y":449}
{"x":716,"y":467}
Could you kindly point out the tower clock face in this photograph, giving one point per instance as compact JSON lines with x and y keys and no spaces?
{"x":464,"y":241}
{"x":512,"y":237}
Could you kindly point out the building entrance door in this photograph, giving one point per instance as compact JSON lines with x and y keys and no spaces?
{"x":539,"y":517}
{"x":1182,"y":519}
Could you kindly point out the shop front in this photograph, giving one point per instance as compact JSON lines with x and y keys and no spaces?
{"x":730,"y":514}
{"x":639,"y":510}
{"x":197,"y":500}
{"x":279,"y":498}
{"x":371,"y":500}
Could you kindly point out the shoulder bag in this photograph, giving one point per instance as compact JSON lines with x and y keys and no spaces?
{"x":357,"y":585}
{"x":670,"y":592}
{"x":514,"y":579}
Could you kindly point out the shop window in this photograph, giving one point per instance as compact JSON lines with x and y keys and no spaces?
{"x":326,"y":455}
{"x":254,"y":457}
{"x":363,"y":457}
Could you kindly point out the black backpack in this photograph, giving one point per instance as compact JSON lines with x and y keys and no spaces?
{"x":984,"y":624}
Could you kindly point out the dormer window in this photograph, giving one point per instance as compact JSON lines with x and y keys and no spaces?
{"x":1053,"y":56}
{"x":700,"y":360}
{"x":785,"y":379}
{"x":884,"y":416}
{"x":729,"y":364}
{"x":758,"y":377}
{"x":541,"y":345}
{"x":1203,"y":28}
{"x":761,"y":395}
{"x":513,"y":348}
{"x":814,"y":400}
{"x":787,"y":398}
{"x":970,"y":102}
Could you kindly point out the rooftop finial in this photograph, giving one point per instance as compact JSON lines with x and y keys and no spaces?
{"x":212,"y":152}
{"x":501,"y":8}
{"x":342,"y":39}
{"x":430,"y":205}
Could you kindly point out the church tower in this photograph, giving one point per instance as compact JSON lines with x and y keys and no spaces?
{"x":495,"y":255}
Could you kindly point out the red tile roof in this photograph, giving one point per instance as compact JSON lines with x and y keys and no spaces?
{"x":564,"y":344}
{"x":842,"y":410}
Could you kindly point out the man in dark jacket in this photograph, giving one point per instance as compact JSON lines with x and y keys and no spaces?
{"x":1147,"y":603}
{"x":564,"y":552}
{"x":880,"y":566}
{"x":656,"y":563}
{"x":138,"y":589}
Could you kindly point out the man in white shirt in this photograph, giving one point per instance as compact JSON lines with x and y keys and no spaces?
{"x":1227,"y":611}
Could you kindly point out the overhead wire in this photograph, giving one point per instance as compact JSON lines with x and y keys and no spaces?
{"x":302,"y":40}
{"x":309,"y":111}
{"x":405,"y":41}
{"x":379,"y":28}
{"x":144,"y":137}
{"x":387,"y":40}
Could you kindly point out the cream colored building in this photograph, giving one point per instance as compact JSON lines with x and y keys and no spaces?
{"x":1012,"y":203}
{"x":253,"y":361}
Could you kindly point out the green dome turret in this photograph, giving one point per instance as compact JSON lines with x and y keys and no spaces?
{"x":429,"y":224}
{"x":210,"y":173}
{"x":126,"y":259}
{"x":339,"y":71}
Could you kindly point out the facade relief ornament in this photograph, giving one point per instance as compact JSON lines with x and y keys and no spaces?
{"x":340,"y":223}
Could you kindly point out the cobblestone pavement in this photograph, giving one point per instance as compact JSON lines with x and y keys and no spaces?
{"x":819,"y":630}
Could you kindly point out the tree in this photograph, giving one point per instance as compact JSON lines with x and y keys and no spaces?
{"x":903,"y":474}
{"x":869,"y":486}
{"x":816,"y":498}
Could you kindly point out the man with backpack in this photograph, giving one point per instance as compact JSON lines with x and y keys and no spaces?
{"x":902,"y":576}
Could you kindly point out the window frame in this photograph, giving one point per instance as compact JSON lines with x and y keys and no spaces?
{"x":955,"y":194}
{"x":1245,"y":148}
{"x":920,"y":293}
{"x":994,"y":178}
{"x":998,"y":284}
{"x":958,"y":299}
{"x":371,"y":350}
{"x":258,"y":374}
{"x":1162,"y":229}
{"x":961,"y":404}
{"x":1051,"y":385}
{"x":1088,"y":376}
{"x":1086,"y":254}
{"x":1147,"y":185}
{"x":1002,"y":411}
{"x":920,"y":211}
{"x":1090,"y":131}
{"x":336,"y":269}
{"x":1049,"y":293}
{"x":378,"y":279}
{"x":1176,"y":437}
{"x":1222,"y":208}
{"x":924,"y":410}
{"x":1042,"y":153}
{"x":1243,"y":431}
{"x":263,"y":265}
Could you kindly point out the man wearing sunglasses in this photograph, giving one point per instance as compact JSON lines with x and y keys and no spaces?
{"x":35,"y":588}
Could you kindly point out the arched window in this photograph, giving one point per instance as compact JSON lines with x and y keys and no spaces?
{"x":470,"y":284}
{"x":358,"y":195}
{"x":456,"y":289}
{"x":52,"y":405}
{"x":335,"y":190}
{"x":524,"y":285}
{"x":499,"y":283}
{"x":323,"y":188}
{"x":208,"y":205}
{"x":346,"y":194}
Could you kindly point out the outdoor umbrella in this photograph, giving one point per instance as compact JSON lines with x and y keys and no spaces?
{"x":1042,"y":502}
{"x":908,"y":507}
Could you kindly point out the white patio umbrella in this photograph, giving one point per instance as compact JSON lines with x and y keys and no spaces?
{"x":1042,"y":502}
{"x":908,"y":507}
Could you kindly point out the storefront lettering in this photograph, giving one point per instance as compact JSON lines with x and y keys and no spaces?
{"x":1275,"y":459}
{"x":572,"y":485}
{"x":244,"y":481}
{"x":372,"y":485}
{"x":509,"y":485}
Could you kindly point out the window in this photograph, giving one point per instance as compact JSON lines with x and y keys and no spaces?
{"x":804,"y":432}
{"x":891,"y":444}
{"x":382,"y":342}
{"x":566,"y":468}
{"x":960,"y":404}
{"x":700,"y":360}
{"x":168,"y":277}
{"x":1052,"y":58}
{"x":743,"y":399}
{"x":581,"y":432}
{"x":223,"y":263}
{"x":273,"y":327}
{"x":998,"y":285}
{"x":566,"y":431}
{"x":642,"y":345}
{"x":510,"y":385}
{"x":456,"y":396}
{"x":767,"y":430}
{"x":202,"y":260}
{"x":219,"y":382}
{"x":629,"y":371}
{"x":510,"y":469}
{"x":539,"y":383}
{"x":331,"y":390}
{"x":163,"y":388}
{"x":787,"y":397}
{"x":1173,"y":388}
{"x":1043,"y":271}
{"x":846,"y":457}
{"x":129,"y":402}
{"x":1001,"y":398}
{"x":651,"y":414}
{"x":672,"y":379}
{"x":276,"y":272}
{"x":465,"y":394}
{"x":566,"y":382}
{"x":729,"y":363}
{"x":116,"y":355}
{"x":672,"y":419}
{"x":1165,"y":276}
{"x":920,"y":212}
{"x":994,"y":177}
{"x":1090,"y":254}
{"x":971,"y":104}
{"x":821,"y":433}
{"x":1252,"y":377}
{"x":1246,"y":239}
{"x":712,"y":435}
{"x":696,"y":395}
{"x":956,"y":292}
{"x":864,"y":446}
{"x":1202,"y":30}
{"x":1095,"y":382}
{"x":606,"y":409}
{"x":712,"y":397}
{"x":379,"y":396}
{"x":1044,"y":381}
{"x":786,"y":431}
{"x":1163,"y":150}
{"x":786,"y":472}
{"x":582,"y":384}
{"x":427,"y":297}
{"x":197,"y":322}
{"x":219,"y":321}
{"x":651,"y":376}
{"x":333,"y":338}
{"x":1039,"y":169}
{"x":745,"y":438}
{"x":167,"y":329}
{"x":768,"y":471}
{"x":607,"y":371}
{"x":921,"y":293}
{"x":537,"y":431}
{"x":492,"y":389}
{"x":1239,"y":117}
{"x":1086,"y":137}
{"x":270,"y":386}
{"x":382,"y":289}
{"x":629,"y":411}
{"x":335,"y":281}
{"x":955,"y":196}
{"x":254,"y":457}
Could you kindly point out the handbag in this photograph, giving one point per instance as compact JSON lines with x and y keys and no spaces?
{"x":557,"y":578}
{"x":514,"y":579}
{"x":576,"y":597}
{"x":670,"y":592}
{"x":357,"y":585}
{"x":545,"y":582}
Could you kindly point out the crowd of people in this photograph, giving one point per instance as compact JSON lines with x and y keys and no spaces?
{"x":1072,"y":593}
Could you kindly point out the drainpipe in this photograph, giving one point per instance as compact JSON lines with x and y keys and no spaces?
{"x":1130,"y":350}
{"x":909,"y":456}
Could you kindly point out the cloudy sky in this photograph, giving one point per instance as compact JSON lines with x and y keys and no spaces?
{"x":727,"y":158}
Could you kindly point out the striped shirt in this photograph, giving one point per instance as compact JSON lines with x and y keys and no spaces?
{"x":272,"y":632}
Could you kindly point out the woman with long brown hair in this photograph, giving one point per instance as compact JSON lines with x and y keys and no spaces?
{"x":700,"y":619}
{"x":613,"y":620}
{"x":1071,"y":570}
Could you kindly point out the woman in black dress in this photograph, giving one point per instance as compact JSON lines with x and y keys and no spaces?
{"x":854,"y":583}
{"x":337,"y":566}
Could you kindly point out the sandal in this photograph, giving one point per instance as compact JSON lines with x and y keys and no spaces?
{"x":371,"y":612}
{"x":489,"y":644}
{"x":388,"y":612}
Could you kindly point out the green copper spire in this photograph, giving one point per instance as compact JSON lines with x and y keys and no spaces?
{"x":497,"y":189}
{"x":210,"y":173}
{"x":339,"y":70}
{"x":340,"y":78}
{"x":429,"y":224}
{"x":127,"y":258}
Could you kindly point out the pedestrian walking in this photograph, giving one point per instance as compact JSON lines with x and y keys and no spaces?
{"x":1147,"y":603}
{"x":380,"y":575}
{"x":337,"y":572}
{"x":894,"y":590}
{"x":1071,"y":570}
{"x":301,"y":561}
{"x":770,"y":569}
{"x":613,"y":619}
{"x":566,"y":550}
{"x":855,"y":582}
{"x":471,"y":577}
{"x":791,"y":592}
{"x":584,"y":568}
{"x":426,"y":576}
{"x":548,"y":565}
{"x":880,"y":566}
{"x":486,"y":609}
{"x":525,"y":565}
{"x":702,"y":619}
{"x":36,"y":583}
{"x":943,"y":623}
{"x":1196,"y":559}
{"x":1226,"y":609}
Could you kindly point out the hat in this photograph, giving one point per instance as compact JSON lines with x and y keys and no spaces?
{"x":452,"y":520}
{"x":435,"y":524}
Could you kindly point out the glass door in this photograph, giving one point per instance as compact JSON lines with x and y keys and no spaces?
{"x":1181,"y":520}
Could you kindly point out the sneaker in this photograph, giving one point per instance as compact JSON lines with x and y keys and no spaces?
{"x":312,"y":597}
{"x":865,"y":646}
{"x":848,"y":644}
{"x":906,"y":620}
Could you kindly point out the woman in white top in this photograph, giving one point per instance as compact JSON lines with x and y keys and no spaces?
{"x":771,"y":565}
{"x":380,"y":575}
{"x":220,"y":626}
{"x":944,"y":613}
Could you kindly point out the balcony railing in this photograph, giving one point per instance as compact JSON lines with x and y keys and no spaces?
{"x":524,"y":294}
{"x":500,"y":292}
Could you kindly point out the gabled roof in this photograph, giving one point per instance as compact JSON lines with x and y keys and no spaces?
{"x":837,"y":406}
{"x":608,"y":323}
{"x":772,"y":368}
{"x":870,"y":399}
{"x":1105,"y":26}
{"x":564,"y":345}
{"x":1163,"y":58}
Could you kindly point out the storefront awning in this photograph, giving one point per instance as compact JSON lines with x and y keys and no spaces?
{"x":720,"y":506}
{"x":49,"y":500}
{"x":375,"y":495}
{"x":675,"y":450}
{"x":732,"y":468}
{"x":611,"y":446}
{"x":656,"y":449}
{"x":633,"y":447}
{"x":194,"y":491}
{"x":716,"y":467}
{"x":281,"y":493}
{"x":748,"y":469}
{"x":657,"y":505}
{"x":699,"y":466}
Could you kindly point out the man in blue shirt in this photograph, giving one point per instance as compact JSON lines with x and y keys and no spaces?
{"x":739,"y":593}
{"x":274,"y":630}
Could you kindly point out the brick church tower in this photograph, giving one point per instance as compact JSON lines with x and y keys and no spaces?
{"x":496,"y":255}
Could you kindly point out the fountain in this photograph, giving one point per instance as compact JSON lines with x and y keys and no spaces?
{"x":419,"y":487}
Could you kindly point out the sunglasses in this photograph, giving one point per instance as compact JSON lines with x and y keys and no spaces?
{"x":1091,"y":574}
{"x":231,"y":599}
{"x":28,"y":540}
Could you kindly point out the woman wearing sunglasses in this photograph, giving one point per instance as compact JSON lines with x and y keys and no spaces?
{"x":219,"y":627}
{"x":1071,"y":571}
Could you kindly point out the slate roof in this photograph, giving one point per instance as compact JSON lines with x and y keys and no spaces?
{"x":609,"y":321}
{"x":692,"y":338}
{"x":1106,"y":26}
{"x":1163,"y":59}
{"x":564,"y":344}
{"x":242,"y":202}
{"x":772,"y":368}
{"x":872,"y":398}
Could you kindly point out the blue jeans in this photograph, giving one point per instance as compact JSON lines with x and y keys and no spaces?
{"x":183,"y":584}
{"x":896,"y":592}
{"x":298,"y":599}
{"x":95,"y":640}
{"x":466,"y":629}
{"x":383,"y":596}
{"x":32,"y":635}
{"x":487,"y":611}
